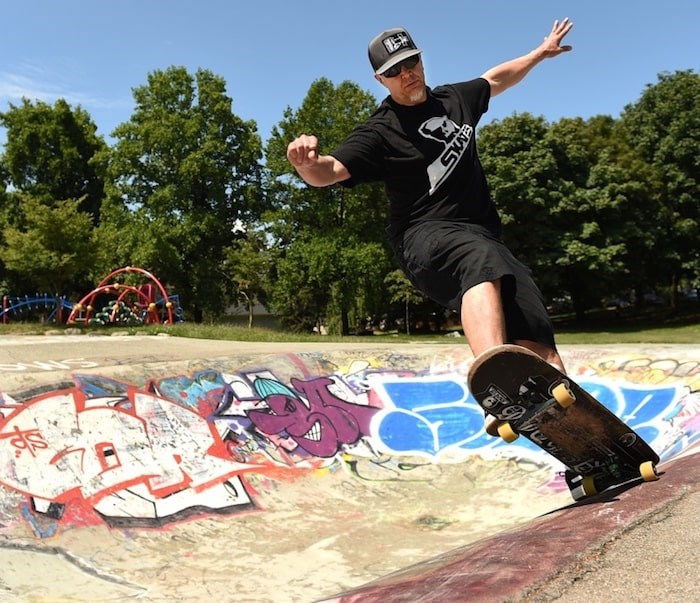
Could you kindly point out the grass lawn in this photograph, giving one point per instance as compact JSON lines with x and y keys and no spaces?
{"x":651,"y":325}
{"x":686,"y":334}
{"x":601,"y":327}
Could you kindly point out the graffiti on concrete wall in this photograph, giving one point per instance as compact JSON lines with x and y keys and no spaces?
{"x":180,"y":446}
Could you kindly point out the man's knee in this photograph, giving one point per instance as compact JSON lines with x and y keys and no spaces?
{"x":544,"y":351}
{"x":483,"y":289}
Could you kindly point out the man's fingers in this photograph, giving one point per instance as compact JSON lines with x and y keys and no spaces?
{"x":564,"y":27}
{"x":303,"y":150}
{"x":559,"y":30}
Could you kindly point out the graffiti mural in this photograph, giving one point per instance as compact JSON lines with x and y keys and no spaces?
{"x":181,"y":446}
{"x":134,"y":456}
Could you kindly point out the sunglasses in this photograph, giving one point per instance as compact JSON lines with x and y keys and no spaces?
{"x":408,"y":63}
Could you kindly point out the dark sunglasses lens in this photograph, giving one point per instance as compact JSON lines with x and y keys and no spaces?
{"x":408,"y":63}
{"x":392,"y":71}
{"x":411,"y":62}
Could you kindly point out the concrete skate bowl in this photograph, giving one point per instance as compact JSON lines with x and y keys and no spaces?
{"x":286,"y":477}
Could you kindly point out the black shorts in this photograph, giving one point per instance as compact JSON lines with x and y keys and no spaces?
{"x":445,"y":259}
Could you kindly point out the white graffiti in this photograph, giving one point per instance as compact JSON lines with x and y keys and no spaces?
{"x":48,"y":365}
{"x":63,"y":444}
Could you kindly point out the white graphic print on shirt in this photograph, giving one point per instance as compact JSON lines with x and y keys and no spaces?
{"x":456,"y":141}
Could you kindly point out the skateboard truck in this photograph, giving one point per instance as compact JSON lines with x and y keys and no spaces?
{"x":586,"y":486}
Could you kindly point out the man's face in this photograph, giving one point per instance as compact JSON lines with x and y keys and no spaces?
{"x":408,"y":87}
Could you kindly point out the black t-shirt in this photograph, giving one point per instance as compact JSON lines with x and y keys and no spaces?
{"x":426,"y":156}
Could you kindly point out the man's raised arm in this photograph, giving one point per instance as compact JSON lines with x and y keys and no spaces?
{"x":503,"y":76}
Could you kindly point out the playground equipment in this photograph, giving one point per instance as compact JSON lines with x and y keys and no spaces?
{"x":144,"y":303}
{"x":53,"y":308}
{"x":147,"y":303}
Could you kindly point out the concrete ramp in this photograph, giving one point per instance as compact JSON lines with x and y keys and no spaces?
{"x":530,"y":562}
{"x":269,"y":474}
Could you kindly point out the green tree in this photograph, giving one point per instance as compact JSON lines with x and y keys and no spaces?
{"x":5,"y":284}
{"x":401,"y":290}
{"x":331,"y":254}
{"x":246,"y":267}
{"x":319,"y":278}
{"x":304,"y":282}
{"x":576,"y":204}
{"x":133,"y":238}
{"x":54,"y":153}
{"x":664,"y":127}
{"x":52,"y":246}
{"x":187,"y":170}
{"x":522,"y":174}
{"x":605,"y":214}
{"x":330,"y":113}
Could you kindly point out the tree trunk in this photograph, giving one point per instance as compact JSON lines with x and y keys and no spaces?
{"x":408,"y":322}
{"x":673,"y":293}
{"x":249,"y":303}
{"x":344,"y":322}
{"x":197,"y":314}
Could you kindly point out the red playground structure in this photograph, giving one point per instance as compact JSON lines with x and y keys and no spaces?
{"x":147,"y":302}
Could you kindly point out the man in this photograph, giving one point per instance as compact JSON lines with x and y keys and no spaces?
{"x":443,"y":224}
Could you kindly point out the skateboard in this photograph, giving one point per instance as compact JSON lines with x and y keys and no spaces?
{"x":527,"y":396}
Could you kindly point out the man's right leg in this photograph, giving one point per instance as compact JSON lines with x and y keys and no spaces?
{"x":484,"y":326}
{"x":482,"y":316}
{"x":484,"y":323}
{"x":544,"y":351}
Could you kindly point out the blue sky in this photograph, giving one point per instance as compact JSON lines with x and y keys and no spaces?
{"x":94,"y":52}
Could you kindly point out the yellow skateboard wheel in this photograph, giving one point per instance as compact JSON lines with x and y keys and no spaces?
{"x":588,"y":486}
{"x":648,"y":471}
{"x":563,"y":395}
{"x":507,"y":433}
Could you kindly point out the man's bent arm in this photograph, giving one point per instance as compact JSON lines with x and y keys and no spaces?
{"x":325,"y":171}
{"x":315,"y":169}
{"x":511,"y":72}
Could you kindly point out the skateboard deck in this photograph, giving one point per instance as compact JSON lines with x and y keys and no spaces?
{"x":529,"y":397}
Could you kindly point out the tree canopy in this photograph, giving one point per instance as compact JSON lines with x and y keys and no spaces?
{"x":50,"y":246}
{"x":663,"y":127}
{"x":54,"y":153}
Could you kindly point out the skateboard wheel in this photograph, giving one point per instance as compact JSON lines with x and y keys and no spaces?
{"x":506,"y":432}
{"x":588,"y":485}
{"x":584,"y":489}
{"x":648,"y":471}
{"x":491,"y":426}
{"x":563,"y":395}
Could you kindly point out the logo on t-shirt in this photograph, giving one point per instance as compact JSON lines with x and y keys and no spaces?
{"x":456,"y":141}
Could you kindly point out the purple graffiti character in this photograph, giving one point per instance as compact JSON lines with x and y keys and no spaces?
{"x":316,"y":420}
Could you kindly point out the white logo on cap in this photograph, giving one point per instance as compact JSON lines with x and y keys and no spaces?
{"x":396,"y":42}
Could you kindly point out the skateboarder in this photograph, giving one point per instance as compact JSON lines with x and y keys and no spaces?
{"x":443,"y":224}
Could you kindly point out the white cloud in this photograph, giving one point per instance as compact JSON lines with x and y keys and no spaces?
{"x":15,"y":87}
{"x":34,"y":83}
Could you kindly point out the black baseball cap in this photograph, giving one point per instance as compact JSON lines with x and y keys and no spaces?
{"x":390,"y":47}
